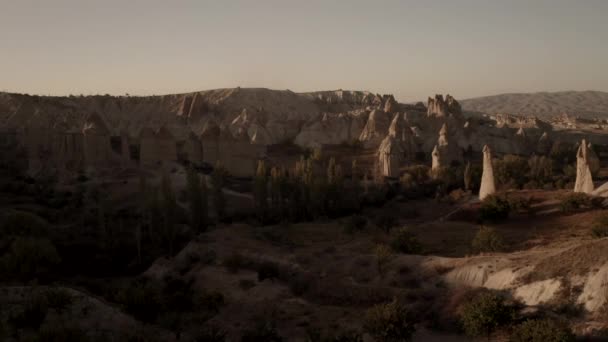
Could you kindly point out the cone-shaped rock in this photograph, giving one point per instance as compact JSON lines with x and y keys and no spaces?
{"x":390,"y":157}
{"x":487,"y":178}
{"x":584,"y":181}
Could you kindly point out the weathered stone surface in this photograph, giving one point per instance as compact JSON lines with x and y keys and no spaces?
{"x":438,"y":107}
{"x":584,"y":180}
{"x":436,"y":159}
{"x":390,"y":156}
{"x":487,"y":178}
{"x":375,"y":129}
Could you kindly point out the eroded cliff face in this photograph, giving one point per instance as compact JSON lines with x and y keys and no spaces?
{"x":101,"y":130}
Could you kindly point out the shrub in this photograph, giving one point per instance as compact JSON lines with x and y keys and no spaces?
{"x":579,"y":200}
{"x":386,"y":222}
{"x":59,"y":299}
{"x":600,"y":227}
{"x":65,"y":332}
{"x":29,"y":257}
{"x":406,"y":242}
{"x":20,"y":223}
{"x":142,"y":299}
{"x":494,"y":208}
{"x":389,"y":322}
{"x":487,"y":240}
{"x":33,"y":314}
{"x":268,"y":270}
{"x":484,"y":314}
{"x":235,"y":262}
{"x":383,"y":256}
{"x":210,"y":334}
{"x":542,"y":330}
{"x":355,"y":223}
{"x":262,"y":332}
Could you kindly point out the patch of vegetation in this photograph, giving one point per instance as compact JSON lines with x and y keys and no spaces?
{"x":355,"y":223}
{"x":263,"y":331}
{"x":406,"y":242}
{"x":210,"y":334}
{"x":487,"y":240}
{"x":235,"y":262}
{"x":268,"y":270}
{"x":578,"y":200}
{"x":33,"y":313}
{"x":485,"y":313}
{"x":59,"y":299}
{"x":494,"y":208}
{"x":600,"y":227}
{"x":384,"y":255}
{"x":386,"y":221}
{"x":28,"y":258}
{"x":542,"y":330}
{"x":389,"y":322}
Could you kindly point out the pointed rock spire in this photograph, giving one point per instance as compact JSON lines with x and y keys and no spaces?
{"x":584,"y":180}
{"x":487,"y":178}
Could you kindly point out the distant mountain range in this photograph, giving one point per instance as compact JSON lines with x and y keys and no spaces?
{"x":587,"y":104}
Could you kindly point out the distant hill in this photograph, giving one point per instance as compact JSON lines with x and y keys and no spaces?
{"x":543,"y":104}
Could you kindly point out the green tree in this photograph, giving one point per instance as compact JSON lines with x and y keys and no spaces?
{"x":389,"y":322}
{"x":487,"y":240}
{"x":542,"y":330}
{"x":484,"y":314}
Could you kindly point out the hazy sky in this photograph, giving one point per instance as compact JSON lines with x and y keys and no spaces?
{"x":411,"y":49}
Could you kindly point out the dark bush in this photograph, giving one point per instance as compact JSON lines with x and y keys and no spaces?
{"x":33,"y":314}
{"x":62,"y":333}
{"x":262,"y":332}
{"x":406,"y":242}
{"x":268,"y":270}
{"x":210,"y":334}
{"x":542,"y":330}
{"x":386,"y":221}
{"x":487,"y":240}
{"x":485,"y":313}
{"x":235,"y":262}
{"x":142,"y":299}
{"x":494,"y":208}
{"x":29,"y":257}
{"x":355,"y":223}
{"x":59,"y":299}
{"x":389,"y":322}
{"x":578,"y":200}
{"x":600,"y":227}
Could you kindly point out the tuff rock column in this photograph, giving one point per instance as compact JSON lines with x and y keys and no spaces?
{"x":584,"y":181}
{"x":487,"y":178}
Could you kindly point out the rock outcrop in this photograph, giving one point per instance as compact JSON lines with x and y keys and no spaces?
{"x":375,"y":129}
{"x":487,"y":178}
{"x":438,"y":107}
{"x":584,"y":180}
{"x":390,"y":157}
{"x":448,"y":153}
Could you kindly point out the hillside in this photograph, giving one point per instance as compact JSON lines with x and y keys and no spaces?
{"x":543,"y":104}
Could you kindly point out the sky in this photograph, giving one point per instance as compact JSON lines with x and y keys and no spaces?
{"x":412,"y":49}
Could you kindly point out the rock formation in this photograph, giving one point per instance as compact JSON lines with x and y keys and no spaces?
{"x":449,"y":153}
{"x":390,"y":157}
{"x":438,"y":107}
{"x":584,"y":180}
{"x":97,"y":149}
{"x":375,"y":129}
{"x":544,"y":144}
{"x":487,"y":178}
{"x":436,"y":159}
